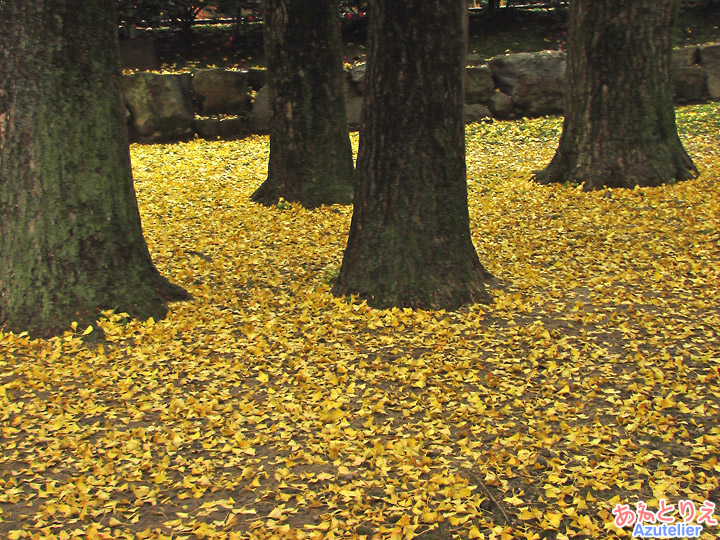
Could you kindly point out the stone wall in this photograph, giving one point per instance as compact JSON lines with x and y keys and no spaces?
{"x":223,"y":103}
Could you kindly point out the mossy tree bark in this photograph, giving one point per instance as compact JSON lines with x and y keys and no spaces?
{"x":71,"y":241}
{"x":619,"y":128}
{"x":310,"y":153}
{"x":409,"y":242}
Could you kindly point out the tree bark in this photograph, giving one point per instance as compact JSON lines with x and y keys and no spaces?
{"x":71,"y":241}
{"x":619,"y":128}
{"x":310,"y":153}
{"x":409,"y":242}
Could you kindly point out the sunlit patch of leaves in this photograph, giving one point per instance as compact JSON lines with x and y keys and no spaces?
{"x":267,"y":408}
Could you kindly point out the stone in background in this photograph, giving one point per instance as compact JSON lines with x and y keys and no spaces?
{"x":709,"y":59}
{"x":220,"y":91}
{"x":479,"y":84}
{"x":510,"y":85}
{"x":160,"y":106}
{"x":534,"y":81}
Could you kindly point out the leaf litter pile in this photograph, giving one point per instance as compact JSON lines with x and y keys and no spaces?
{"x":268,"y":408}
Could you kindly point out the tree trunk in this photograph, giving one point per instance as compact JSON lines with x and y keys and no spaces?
{"x":619,"y":128}
{"x":409,"y":242}
{"x":71,"y":242}
{"x":310,"y":153}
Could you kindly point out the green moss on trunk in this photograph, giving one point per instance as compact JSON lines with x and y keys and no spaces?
{"x":619,"y":128}
{"x":409,"y":242}
{"x":71,"y":242}
{"x":310,"y":153}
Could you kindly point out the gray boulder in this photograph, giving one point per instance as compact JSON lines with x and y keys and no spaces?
{"x":219,"y":91}
{"x":535,"y":81}
{"x":357,"y":76}
{"x":353,"y":103}
{"x":709,"y":59}
{"x":261,"y":111}
{"x":689,"y":83}
{"x":474,"y":59}
{"x":501,"y":106}
{"x":475,"y":112}
{"x":159,"y":105}
{"x":684,"y":57}
{"x":479,"y":85}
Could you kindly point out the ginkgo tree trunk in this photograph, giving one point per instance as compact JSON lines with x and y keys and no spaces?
{"x":310,"y":154}
{"x":409,"y":243}
{"x":71,"y":242}
{"x":619,"y":128}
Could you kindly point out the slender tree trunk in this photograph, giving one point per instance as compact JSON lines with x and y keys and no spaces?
{"x":619,"y":128}
{"x":71,"y":242}
{"x":409,"y":242}
{"x":310,"y":154}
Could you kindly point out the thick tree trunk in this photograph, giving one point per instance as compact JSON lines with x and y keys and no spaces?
{"x":409,"y":242}
{"x":619,"y":128}
{"x":310,"y":153}
{"x":71,"y":242}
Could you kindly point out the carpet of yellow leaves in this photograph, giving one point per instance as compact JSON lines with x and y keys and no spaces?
{"x":267,"y":408}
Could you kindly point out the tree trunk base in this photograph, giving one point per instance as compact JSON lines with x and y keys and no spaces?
{"x":270,"y":192}
{"x":410,"y":243}
{"x":619,"y":129}
{"x":429,"y":296}
{"x":71,"y":240}
{"x":618,"y":171}
{"x":311,"y":158}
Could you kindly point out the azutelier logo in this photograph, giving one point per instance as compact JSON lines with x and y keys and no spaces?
{"x":664,"y":523}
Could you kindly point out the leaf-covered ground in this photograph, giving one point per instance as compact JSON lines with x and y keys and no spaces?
{"x":267,"y":408}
